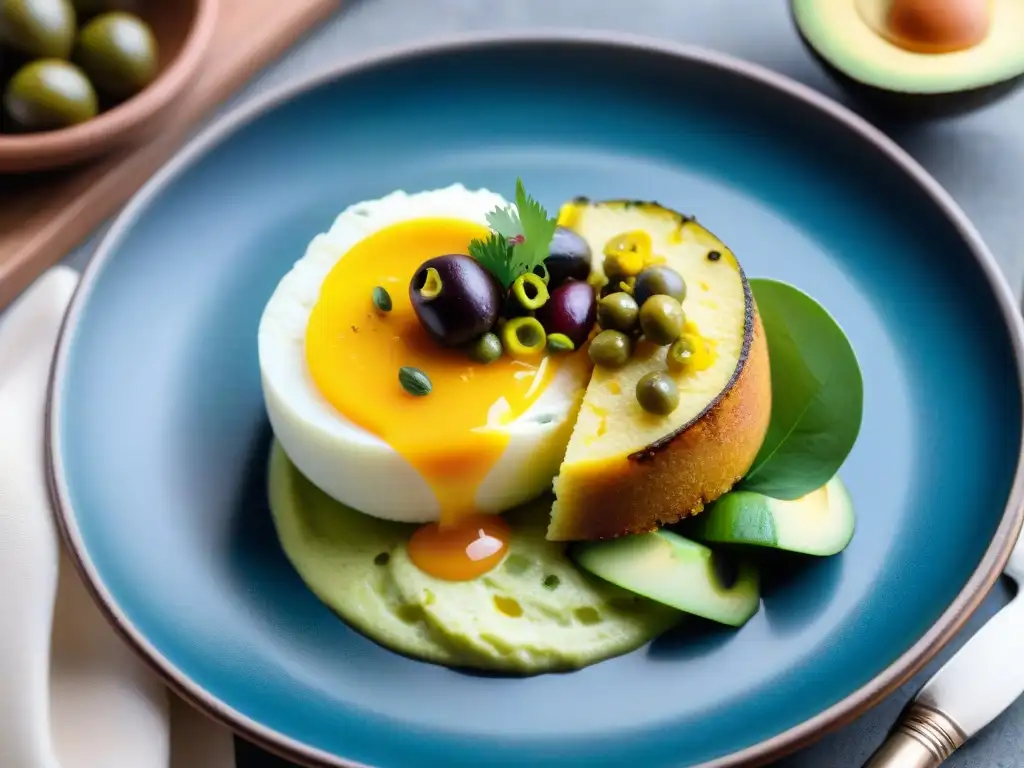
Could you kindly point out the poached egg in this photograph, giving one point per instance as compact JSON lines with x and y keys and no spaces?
{"x":487,"y":438}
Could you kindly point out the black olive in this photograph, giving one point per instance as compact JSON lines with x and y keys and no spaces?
{"x":571,"y":311}
{"x":456,"y":299}
{"x":511,"y":307}
{"x":569,"y":257}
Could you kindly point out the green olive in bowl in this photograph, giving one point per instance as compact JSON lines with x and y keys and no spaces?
{"x":48,"y":94}
{"x":118,"y":52}
{"x":37,"y":28}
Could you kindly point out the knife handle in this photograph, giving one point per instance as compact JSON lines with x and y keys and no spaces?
{"x":923,"y":737}
{"x":973,"y":687}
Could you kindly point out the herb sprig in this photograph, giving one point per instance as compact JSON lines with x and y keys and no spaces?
{"x":521,"y":239}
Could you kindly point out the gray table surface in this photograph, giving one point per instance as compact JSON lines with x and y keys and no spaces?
{"x":978,"y":158}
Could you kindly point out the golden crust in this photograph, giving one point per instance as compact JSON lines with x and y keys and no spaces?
{"x":676,"y":477}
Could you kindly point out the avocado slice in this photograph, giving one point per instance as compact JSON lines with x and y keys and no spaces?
{"x":678,"y":572}
{"x":917,"y":56}
{"x":820,"y":523}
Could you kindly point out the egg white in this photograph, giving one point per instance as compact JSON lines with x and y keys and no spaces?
{"x":351,"y":464}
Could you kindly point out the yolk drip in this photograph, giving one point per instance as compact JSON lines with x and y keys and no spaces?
{"x":463,"y":550}
{"x":354,"y":352}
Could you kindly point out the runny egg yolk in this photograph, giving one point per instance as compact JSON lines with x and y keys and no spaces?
{"x":354,"y":352}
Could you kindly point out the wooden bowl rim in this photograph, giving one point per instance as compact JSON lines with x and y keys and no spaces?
{"x":130,"y":114}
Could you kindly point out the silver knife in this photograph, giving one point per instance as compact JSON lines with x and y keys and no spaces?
{"x":981,"y":680}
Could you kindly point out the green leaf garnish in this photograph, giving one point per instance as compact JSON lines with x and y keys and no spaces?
{"x":521,"y":239}
{"x":538,"y":229}
{"x":495,"y":255}
{"x":505,"y":221}
{"x":817,"y":394}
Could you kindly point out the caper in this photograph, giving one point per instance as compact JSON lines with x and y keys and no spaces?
{"x":486,"y":349}
{"x":524,"y":337}
{"x":661,"y":319}
{"x":610,"y":349}
{"x":617,"y":311}
{"x":657,"y":393}
{"x":530,"y":291}
{"x":658,"y":281}
{"x":679,"y":354}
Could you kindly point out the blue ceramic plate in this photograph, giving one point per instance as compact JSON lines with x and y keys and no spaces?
{"x":159,"y":438}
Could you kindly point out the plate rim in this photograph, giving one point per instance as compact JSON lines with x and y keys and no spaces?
{"x":836,"y":715}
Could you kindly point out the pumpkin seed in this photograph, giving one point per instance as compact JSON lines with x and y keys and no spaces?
{"x":414,"y":381}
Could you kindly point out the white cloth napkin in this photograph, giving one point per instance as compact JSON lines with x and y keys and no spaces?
{"x":72,"y":695}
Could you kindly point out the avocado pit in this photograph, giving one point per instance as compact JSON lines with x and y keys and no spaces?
{"x":931,"y":26}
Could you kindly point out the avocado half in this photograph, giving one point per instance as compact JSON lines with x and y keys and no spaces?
{"x":858,"y":45}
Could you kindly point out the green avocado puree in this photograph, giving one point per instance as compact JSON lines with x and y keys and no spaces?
{"x":536,"y":612}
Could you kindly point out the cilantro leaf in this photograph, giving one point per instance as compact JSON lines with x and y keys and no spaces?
{"x":538,"y":229}
{"x":495,"y":255}
{"x":521,"y":239}
{"x":505,"y":221}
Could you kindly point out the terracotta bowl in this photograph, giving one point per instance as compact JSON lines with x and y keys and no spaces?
{"x":184,"y":29}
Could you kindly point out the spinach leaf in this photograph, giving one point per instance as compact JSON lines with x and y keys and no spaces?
{"x":817,"y":394}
